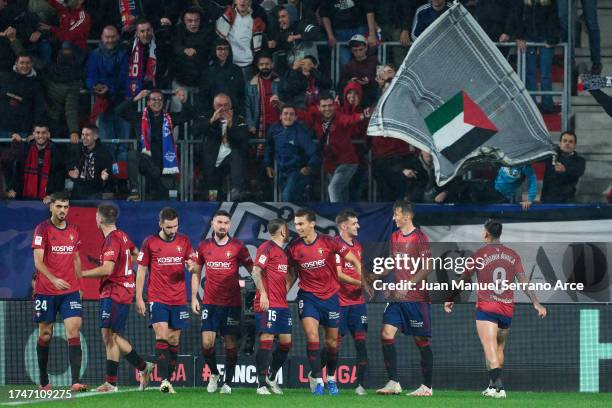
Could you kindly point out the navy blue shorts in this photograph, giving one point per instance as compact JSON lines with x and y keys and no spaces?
{"x":224,"y":320}
{"x":46,"y":307}
{"x":177,"y":316}
{"x":275,"y":320}
{"x":353,"y":318}
{"x":411,"y":318}
{"x":326,"y":312}
{"x":113,"y":315}
{"x":503,"y":322}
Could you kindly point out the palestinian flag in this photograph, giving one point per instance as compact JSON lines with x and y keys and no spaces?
{"x":459,"y":127}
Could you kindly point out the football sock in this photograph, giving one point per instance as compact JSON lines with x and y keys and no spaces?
{"x":332,"y":360}
{"x":426,"y":362}
{"x":75,"y":355}
{"x":111,"y":372}
{"x":162,"y":354}
{"x":312,"y":350}
{"x":495,"y":378}
{"x":173,"y":355}
{"x":231,"y":357}
{"x":210,"y":357}
{"x":262,"y":359}
{"x":390,"y":358}
{"x":278,"y":358}
{"x":362,"y":357}
{"x":134,"y":359}
{"x":42,"y":352}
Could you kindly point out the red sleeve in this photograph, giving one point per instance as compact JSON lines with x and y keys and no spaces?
{"x":77,"y":32}
{"x":518,"y":265}
{"x":193,"y":254}
{"x":348,"y":120}
{"x":199,"y":257}
{"x":262,"y":256}
{"x":144,"y":257}
{"x":110,"y":251}
{"x":78,"y":238}
{"x":244,"y":258}
{"x":39,"y":240}
{"x":339,"y":247}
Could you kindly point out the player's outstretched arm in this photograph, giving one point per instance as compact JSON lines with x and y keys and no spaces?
{"x":140,"y":279}
{"x":522,"y":278}
{"x":195,"y":285}
{"x":103,"y":270}
{"x":352,"y":258}
{"x":291,"y":277}
{"x":39,"y":264}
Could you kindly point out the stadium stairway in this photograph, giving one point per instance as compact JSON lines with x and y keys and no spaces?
{"x":593,"y":126}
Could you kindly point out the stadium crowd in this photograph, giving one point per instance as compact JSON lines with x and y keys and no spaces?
{"x":255,"y":88}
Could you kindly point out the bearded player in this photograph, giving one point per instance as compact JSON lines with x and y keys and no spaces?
{"x":222,"y":255}
{"x":164,"y":255}
{"x":494,"y":308}
{"x":116,"y":295}
{"x":56,"y":287}
{"x":410,"y":310}
{"x":353,"y":311}
{"x":312,"y":258}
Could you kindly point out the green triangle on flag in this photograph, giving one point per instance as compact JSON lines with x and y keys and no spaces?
{"x":459,"y":127}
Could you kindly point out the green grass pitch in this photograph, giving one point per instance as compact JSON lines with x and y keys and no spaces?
{"x":301,"y":398}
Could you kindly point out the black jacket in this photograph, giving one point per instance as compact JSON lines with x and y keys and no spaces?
{"x":396,"y":13}
{"x":21,"y":101}
{"x":187,"y":70}
{"x":561,"y":187}
{"x":496,"y":17}
{"x":537,"y":20}
{"x":86,"y":185}
{"x":237,"y":135}
{"x":19,"y":153}
{"x":297,"y":84}
{"x":225,"y":78}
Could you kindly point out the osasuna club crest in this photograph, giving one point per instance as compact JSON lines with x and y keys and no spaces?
{"x":228,"y":254}
{"x":320,"y":250}
{"x":71,"y":237}
{"x":179,"y":249}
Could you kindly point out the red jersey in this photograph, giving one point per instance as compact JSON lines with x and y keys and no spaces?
{"x":316,"y":264}
{"x":222,"y":287}
{"x":500,"y":263}
{"x":350,"y":294}
{"x":60,"y":246}
{"x":166,"y":263}
{"x":273,"y":261}
{"x":416,"y":246}
{"x":120,"y":284}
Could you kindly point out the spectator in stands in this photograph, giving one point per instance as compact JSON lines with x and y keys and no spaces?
{"x":244,"y":31}
{"x":261,"y":112}
{"x":222,"y":76}
{"x":385,"y":77}
{"x":589,"y":17}
{"x":157,"y":158}
{"x":394,"y":17}
{"x":191,"y":45}
{"x":361,"y":69}
{"x":293,"y":39}
{"x":496,"y":18}
{"x":225,"y":138}
{"x":61,"y":82}
{"x":538,"y":21}
{"x":305,"y":82}
{"x":22,"y":101}
{"x":509,"y":180}
{"x":107,"y":81}
{"x":390,"y":157}
{"x":290,"y":145}
{"x":332,"y":128}
{"x":74,"y":26}
{"x":38,"y":168}
{"x":90,"y":168}
{"x":562,"y":174}
{"x":427,"y":14}
{"x":15,"y":19}
{"x":343,"y":19}
{"x":142,"y":62}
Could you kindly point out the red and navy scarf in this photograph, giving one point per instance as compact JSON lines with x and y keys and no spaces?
{"x":35,"y":184}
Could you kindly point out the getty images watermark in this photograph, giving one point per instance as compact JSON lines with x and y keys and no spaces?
{"x":404,"y":267}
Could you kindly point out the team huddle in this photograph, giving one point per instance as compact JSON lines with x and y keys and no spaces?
{"x":330,"y":297}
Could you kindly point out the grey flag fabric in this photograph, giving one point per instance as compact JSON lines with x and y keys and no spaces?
{"x":457,"y":97}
